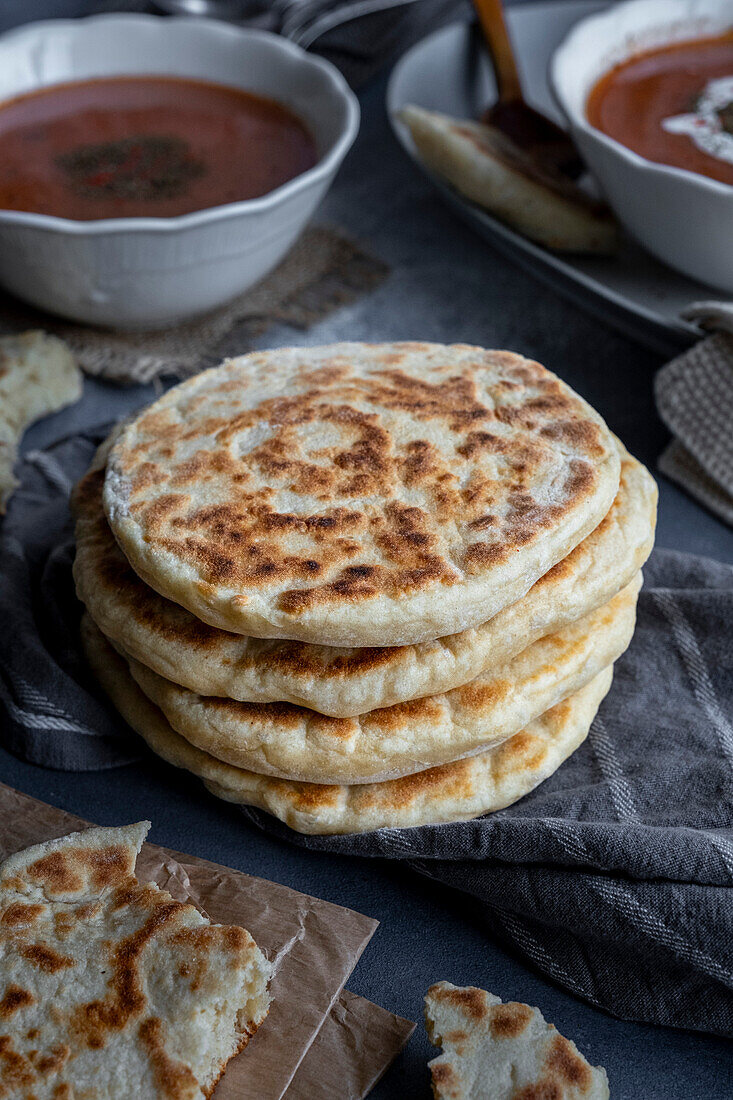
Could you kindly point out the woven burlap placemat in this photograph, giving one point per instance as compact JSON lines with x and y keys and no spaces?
{"x":694,"y":395}
{"x":323,"y":271}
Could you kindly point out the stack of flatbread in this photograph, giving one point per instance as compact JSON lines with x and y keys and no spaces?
{"x":363,"y":586}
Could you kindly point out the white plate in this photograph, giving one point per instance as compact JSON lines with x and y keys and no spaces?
{"x":448,"y":71}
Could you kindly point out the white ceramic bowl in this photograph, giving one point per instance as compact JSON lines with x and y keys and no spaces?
{"x":152,"y":272}
{"x":684,"y":218}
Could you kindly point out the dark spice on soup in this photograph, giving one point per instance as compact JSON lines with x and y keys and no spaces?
{"x":145,"y":146}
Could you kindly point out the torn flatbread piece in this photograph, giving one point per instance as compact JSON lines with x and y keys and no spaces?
{"x":38,"y":376}
{"x":109,"y":988}
{"x":495,"y":1051}
{"x":489,"y":169}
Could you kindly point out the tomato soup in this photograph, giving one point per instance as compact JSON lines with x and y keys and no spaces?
{"x":673,"y":105}
{"x":144,"y":147}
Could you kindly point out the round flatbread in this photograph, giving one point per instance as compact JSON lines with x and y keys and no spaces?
{"x":358,"y":495}
{"x":345,"y":682}
{"x":294,"y":743}
{"x":453,"y":792}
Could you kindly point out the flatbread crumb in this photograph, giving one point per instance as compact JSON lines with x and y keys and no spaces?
{"x":496,"y":1051}
{"x":38,"y":376}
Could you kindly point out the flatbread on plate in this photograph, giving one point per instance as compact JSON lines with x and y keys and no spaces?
{"x":453,"y":792}
{"x":345,"y":682}
{"x":489,"y":169}
{"x":108,"y":987}
{"x":358,"y":494}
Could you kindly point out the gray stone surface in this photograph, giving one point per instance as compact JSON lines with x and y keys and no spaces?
{"x":445,"y":285}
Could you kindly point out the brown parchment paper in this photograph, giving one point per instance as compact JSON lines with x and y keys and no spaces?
{"x":312,"y":944}
{"x":354,"y":1048}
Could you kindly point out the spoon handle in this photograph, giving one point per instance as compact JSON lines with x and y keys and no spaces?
{"x":493,"y":26}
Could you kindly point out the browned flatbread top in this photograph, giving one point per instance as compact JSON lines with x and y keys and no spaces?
{"x":358,"y":494}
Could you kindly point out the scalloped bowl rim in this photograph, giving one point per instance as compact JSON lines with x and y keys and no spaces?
{"x":578,"y":118}
{"x":326,"y":165}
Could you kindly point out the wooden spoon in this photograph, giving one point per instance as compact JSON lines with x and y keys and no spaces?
{"x":526,"y":127}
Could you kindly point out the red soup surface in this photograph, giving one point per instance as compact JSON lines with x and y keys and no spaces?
{"x":673,"y":105}
{"x":144,"y":146}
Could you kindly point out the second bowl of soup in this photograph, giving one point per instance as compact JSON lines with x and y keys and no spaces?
{"x":647,"y":88}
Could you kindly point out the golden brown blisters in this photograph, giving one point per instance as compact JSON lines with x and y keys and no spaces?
{"x":359,"y":494}
{"x":296,"y":743}
{"x":452,"y":792}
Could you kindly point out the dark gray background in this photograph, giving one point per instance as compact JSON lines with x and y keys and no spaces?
{"x":445,"y":285}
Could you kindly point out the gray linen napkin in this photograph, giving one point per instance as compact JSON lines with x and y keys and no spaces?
{"x":614,"y":878}
{"x":694,"y":395}
{"x":53,"y":716}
